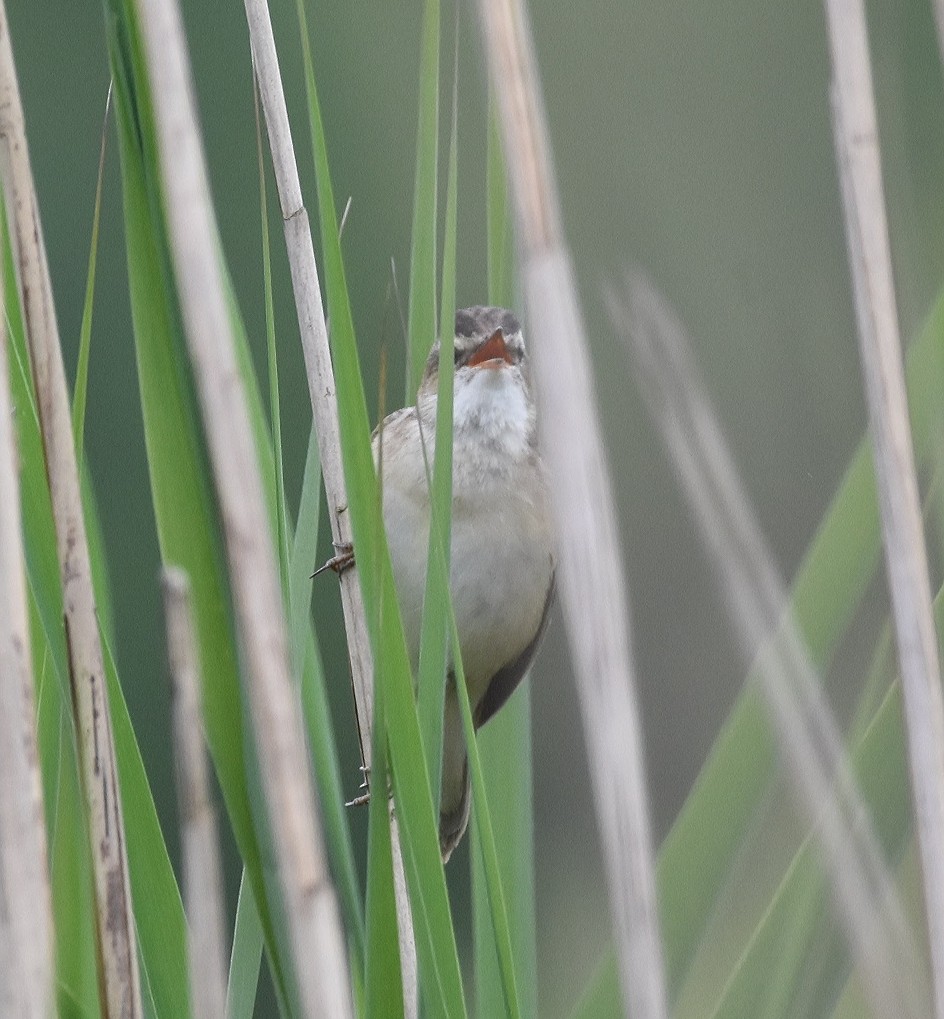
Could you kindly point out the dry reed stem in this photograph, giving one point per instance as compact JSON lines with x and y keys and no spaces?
{"x":807,"y":734}
{"x":117,"y":951}
{"x":27,"y":974}
{"x":314,"y":928}
{"x":589,"y":574}
{"x":320,"y":373}
{"x":199,"y":843}
{"x":315,"y":348}
{"x":855,"y":132}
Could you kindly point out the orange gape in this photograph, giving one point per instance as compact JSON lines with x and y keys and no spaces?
{"x":493,"y":349}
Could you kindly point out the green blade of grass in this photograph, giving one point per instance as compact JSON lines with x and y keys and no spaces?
{"x":434,"y":645}
{"x":438,"y":593}
{"x":383,"y":979}
{"x":435,"y":938}
{"x":797,"y":951}
{"x":305,"y":543}
{"x":79,"y":398}
{"x":246,"y":955}
{"x":505,"y":743}
{"x":69,"y":863}
{"x":275,"y":417}
{"x":485,"y":837}
{"x":485,"y":842}
{"x":421,"y":328}
{"x":776,"y":947}
{"x":158,"y":909}
{"x":836,"y":571}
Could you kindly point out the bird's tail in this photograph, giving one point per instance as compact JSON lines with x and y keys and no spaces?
{"x":455,"y":800}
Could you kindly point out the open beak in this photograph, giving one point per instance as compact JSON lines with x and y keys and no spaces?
{"x":492,"y":353}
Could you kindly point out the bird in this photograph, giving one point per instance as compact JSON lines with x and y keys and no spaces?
{"x":502,"y":548}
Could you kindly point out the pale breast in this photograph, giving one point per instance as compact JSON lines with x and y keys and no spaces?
{"x":501,"y":554}
{"x":501,"y":567}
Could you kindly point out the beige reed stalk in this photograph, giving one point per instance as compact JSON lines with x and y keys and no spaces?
{"x":589,"y":576}
{"x":199,"y":843}
{"x":808,"y":736}
{"x":118,"y":958}
{"x":320,"y":373}
{"x":27,"y":978}
{"x":855,"y":132}
{"x":310,"y":904}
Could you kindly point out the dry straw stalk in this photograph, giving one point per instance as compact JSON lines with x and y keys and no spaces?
{"x":310,"y":902}
{"x":855,"y":133}
{"x":803,"y":724}
{"x":26,"y":932}
{"x":590,"y":581}
{"x":118,"y":953}
{"x":199,"y":844}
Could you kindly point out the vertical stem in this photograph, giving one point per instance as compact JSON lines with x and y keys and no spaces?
{"x":26,"y":931}
{"x":856,"y":136}
{"x":116,"y":936}
{"x":203,"y":883}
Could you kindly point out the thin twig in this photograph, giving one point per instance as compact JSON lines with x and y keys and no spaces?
{"x":26,"y":940}
{"x":855,"y":132}
{"x":116,"y":936}
{"x":807,"y":734}
{"x":314,"y":337}
{"x":199,"y":843}
{"x":309,"y":899}
{"x":590,"y":581}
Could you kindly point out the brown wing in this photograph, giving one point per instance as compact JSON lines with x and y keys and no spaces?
{"x":504,"y":683}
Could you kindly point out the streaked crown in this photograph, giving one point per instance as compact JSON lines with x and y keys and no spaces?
{"x":475,"y":327}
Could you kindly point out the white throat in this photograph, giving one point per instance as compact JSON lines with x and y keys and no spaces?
{"x":491,"y":405}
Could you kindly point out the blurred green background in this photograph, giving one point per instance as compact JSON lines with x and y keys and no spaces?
{"x":691,"y":139}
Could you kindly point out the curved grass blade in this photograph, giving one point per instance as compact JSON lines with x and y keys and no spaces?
{"x":246,"y":956}
{"x":383,"y":978}
{"x":80,"y":395}
{"x":421,"y":328}
{"x":305,"y":542}
{"x":158,"y":909}
{"x":275,"y":417}
{"x":803,"y":900}
{"x":434,"y":643}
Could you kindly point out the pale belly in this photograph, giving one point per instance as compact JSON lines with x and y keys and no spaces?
{"x":500,"y":574}
{"x":500,"y":583}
